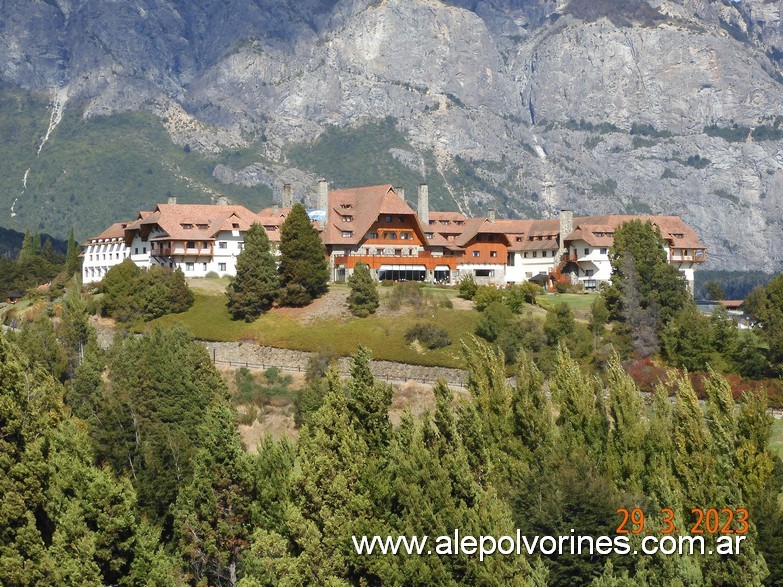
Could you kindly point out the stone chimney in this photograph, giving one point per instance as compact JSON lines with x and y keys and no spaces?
{"x":566,"y":228}
{"x":288,"y":196}
{"x":222,"y":201}
{"x":323,"y":202}
{"x":400,"y":191}
{"x":491,"y":215}
{"x":424,"y":205}
{"x":323,"y":195}
{"x":172,"y":199}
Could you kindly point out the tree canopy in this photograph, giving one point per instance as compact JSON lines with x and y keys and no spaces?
{"x":254,"y":288}
{"x":304,"y":272}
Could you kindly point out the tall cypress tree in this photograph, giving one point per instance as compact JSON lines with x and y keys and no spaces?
{"x":363,"y":299}
{"x":72,"y":255}
{"x":304,"y":272}
{"x":254,"y":288}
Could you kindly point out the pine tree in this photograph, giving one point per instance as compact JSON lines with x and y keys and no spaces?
{"x":363,"y":299}
{"x":72,"y":262}
{"x":213,"y":513}
{"x":254,"y":288}
{"x":303,"y":268}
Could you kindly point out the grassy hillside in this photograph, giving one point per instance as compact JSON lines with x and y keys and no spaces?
{"x":209,"y":319}
{"x":93,"y":172}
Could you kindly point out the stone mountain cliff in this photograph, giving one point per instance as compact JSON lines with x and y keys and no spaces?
{"x":666,"y":107}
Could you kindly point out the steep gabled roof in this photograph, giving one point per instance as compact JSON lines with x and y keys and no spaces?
{"x":364,"y":205}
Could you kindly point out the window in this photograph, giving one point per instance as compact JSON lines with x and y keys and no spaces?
{"x":191,"y":245}
{"x":205,"y":245}
{"x":535,"y":254}
{"x":390,"y":235}
{"x":204,"y":266}
{"x":406,"y":236}
{"x":493,"y":253}
{"x":240,"y":245}
{"x":510,"y":261}
{"x":235,"y":226}
{"x":588,"y":272}
{"x":587,"y":251}
{"x":388,"y":219}
{"x":428,"y":234}
{"x":603,"y":251}
{"x":222,"y":245}
{"x":144,"y":250}
{"x":221,"y":266}
{"x":398,"y":252}
{"x":475,"y":253}
{"x":524,"y":255}
{"x":188,"y":226}
{"x":188,"y":266}
{"x":480,"y":237}
{"x":347,"y":234}
{"x":400,"y":218}
{"x":485,"y":273}
{"x":372,"y":235}
{"x":346,"y":218}
{"x":136,"y":251}
{"x":202,"y":226}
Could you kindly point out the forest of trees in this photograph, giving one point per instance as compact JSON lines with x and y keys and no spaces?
{"x":131,"y":472}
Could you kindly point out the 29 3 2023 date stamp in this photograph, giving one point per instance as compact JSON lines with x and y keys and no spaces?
{"x":703,"y":521}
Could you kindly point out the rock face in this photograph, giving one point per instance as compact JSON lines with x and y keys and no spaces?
{"x":602,"y":106}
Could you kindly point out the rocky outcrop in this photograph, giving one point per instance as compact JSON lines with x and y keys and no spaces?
{"x":662,"y":107}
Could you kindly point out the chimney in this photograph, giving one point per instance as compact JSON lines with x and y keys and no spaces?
{"x":491,"y":215}
{"x":400,"y":192}
{"x":323,"y":201}
{"x":566,"y":228}
{"x":288,"y":196}
{"x":323,"y":195}
{"x":172,"y":199}
{"x":424,"y":204}
{"x":222,"y":201}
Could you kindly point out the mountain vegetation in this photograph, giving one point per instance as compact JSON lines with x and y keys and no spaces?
{"x":155,"y":443}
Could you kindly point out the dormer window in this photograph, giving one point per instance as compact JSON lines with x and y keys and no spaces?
{"x":187,"y":226}
{"x":345,"y":206}
{"x":428,"y":234}
{"x":347,"y":234}
{"x":202,"y":226}
{"x":346,"y":218}
{"x":235,"y":225}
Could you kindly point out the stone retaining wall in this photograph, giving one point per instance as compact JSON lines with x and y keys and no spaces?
{"x":237,"y":354}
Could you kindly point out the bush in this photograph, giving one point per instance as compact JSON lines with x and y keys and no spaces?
{"x":212,"y":275}
{"x":486,"y":295}
{"x":520,"y":294}
{"x":294,"y":295}
{"x":409,"y":293}
{"x":319,"y":364}
{"x":495,"y":320}
{"x":429,"y":335}
{"x":467,"y":287}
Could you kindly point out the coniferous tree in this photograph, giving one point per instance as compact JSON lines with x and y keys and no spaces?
{"x":303,"y":269}
{"x":213,"y":512}
{"x":72,"y":263}
{"x":254,"y":288}
{"x":638,"y":253}
{"x":363,"y":299}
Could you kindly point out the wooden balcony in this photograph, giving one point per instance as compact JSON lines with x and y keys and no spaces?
{"x":375,"y":261}
{"x":696,"y":256}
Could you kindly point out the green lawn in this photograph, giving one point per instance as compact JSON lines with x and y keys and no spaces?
{"x":576,"y":301}
{"x":776,"y":438}
{"x":209,"y":320}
